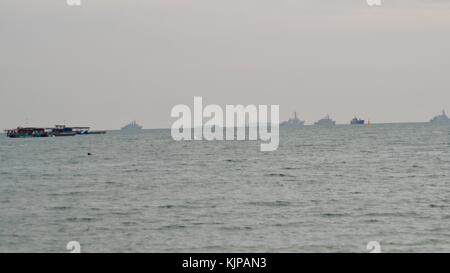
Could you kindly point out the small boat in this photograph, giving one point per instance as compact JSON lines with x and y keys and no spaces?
{"x":356,"y":121}
{"x":62,"y":130}
{"x":326,"y":121}
{"x":294,"y":122}
{"x":132,"y":126}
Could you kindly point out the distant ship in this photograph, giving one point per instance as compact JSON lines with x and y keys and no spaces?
{"x":326,"y":121}
{"x":441,"y":119}
{"x":294,"y":122}
{"x":356,"y":121}
{"x":132,"y":126}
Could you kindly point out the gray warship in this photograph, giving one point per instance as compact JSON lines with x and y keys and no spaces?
{"x":326,"y":121}
{"x":441,"y":119}
{"x":132,"y":126}
{"x":294,"y":122}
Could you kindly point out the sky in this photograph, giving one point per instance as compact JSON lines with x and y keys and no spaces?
{"x":108,"y":62}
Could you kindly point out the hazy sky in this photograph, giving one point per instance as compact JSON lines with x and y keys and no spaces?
{"x":111,"y":61}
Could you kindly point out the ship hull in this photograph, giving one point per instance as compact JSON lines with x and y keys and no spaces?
{"x":359,"y":122}
{"x":65,"y":134}
{"x":25,"y":136}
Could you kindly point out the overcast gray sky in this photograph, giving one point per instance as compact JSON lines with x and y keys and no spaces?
{"x":111,"y":61}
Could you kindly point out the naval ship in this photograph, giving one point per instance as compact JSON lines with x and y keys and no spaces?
{"x":441,"y":119}
{"x":132,"y":126}
{"x":294,"y":122}
{"x":326,"y":121}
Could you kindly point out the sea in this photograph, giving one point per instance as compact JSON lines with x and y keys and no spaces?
{"x":324,"y":190}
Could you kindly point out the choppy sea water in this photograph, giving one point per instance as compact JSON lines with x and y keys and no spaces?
{"x":323,"y":190}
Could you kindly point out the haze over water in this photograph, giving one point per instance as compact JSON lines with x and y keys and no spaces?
{"x":324,"y":189}
{"x":105,"y":63}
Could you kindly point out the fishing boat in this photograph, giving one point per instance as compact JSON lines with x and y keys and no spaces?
{"x":326,"y":121}
{"x":356,"y":121}
{"x":132,"y":126}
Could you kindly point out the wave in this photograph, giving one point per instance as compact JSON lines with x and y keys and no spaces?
{"x":278,"y":175}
